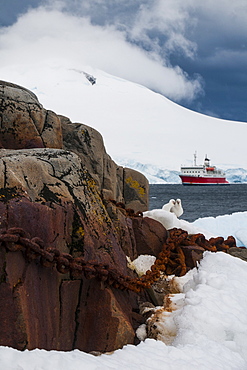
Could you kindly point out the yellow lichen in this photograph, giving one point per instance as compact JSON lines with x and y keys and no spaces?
{"x":80,"y":231}
{"x":135,"y":185}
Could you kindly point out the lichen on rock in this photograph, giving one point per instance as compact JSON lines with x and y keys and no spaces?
{"x":57,"y":184}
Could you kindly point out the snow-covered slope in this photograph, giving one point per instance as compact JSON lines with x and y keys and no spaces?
{"x":136,"y":123}
{"x":236,"y":175}
{"x":154,"y":174}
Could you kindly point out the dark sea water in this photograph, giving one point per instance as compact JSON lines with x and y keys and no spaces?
{"x":201,"y":201}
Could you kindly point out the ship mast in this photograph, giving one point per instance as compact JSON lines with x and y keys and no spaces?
{"x":195,"y":158}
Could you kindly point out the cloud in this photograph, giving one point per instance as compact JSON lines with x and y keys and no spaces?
{"x":158,"y":25}
{"x":190,"y":28}
{"x":44,"y":33}
{"x":157,"y":43}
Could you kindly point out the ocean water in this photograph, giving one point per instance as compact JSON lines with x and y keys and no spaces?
{"x":201,"y":201}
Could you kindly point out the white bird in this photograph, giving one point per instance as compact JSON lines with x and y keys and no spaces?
{"x":166,"y":218}
{"x":168,"y":206}
{"x":177,"y":208}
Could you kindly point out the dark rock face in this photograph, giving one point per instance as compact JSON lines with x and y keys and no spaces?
{"x":137,"y":235}
{"x":149,"y":236}
{"x":24,"y":122}
{"x":58,"y":183}
{"x":62,"y":206}
{"x":60,"y":190}
{"x":115,"y":182}
{"x":238,"y":252}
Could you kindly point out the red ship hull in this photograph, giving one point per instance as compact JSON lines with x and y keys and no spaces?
{"x":192,"y":180}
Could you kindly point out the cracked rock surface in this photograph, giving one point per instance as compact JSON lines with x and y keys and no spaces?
{"x":24,"y":122}
{"x":51,"y":195}
{"x":56,"y":183}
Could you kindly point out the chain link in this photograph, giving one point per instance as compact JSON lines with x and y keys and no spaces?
{"x":171,"y":260}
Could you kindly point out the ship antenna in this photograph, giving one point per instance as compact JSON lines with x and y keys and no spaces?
{"x":195,"y":158}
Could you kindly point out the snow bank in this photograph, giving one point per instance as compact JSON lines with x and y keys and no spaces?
{"x":234,"y":224}
{"x":169,"y":220}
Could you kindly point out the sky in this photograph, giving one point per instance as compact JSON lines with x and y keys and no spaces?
{"x":192,"y":52}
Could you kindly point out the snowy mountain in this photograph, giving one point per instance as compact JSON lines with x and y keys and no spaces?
{"x":236,"y":175}
{"x":156,"y":175}
{"x":136,"y":123}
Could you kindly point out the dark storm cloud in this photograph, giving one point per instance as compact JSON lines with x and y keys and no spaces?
{"x":69,"y":35}
{"x":221,"y":59}
{"x":190,"y":37}
{"x":10,"y":9}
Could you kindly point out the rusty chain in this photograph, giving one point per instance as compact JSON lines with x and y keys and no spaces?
{"x":171,"y":260}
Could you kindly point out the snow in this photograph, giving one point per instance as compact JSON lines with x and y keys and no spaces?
{"x":144,"y":127}
{"x":210,"y":325}
{"x":236,"y":175}
{"x":135,"y":122}
{"x":160,"y":175}
{"x":154,"y":174}
{"x":226,"y":225}
{"x":234,"y":224}
{"x":141,"y":264}
{"x":169,"y":220}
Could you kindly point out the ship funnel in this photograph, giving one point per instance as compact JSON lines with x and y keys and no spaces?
{"x":206,"y":161}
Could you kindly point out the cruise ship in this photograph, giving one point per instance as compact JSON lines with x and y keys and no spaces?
{"x":204,"y":174}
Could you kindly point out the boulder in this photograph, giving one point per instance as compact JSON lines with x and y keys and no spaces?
{"x":136,"y":190}
{"x":150,"y":235}
{"x":24,"y":121}
{"x":115,"y":182}
{"x":62,"y":206}
{"x":57,"y":188}
{"x":49,"y":194}
{"x":88,"y":144}
{"x":26,"y":124}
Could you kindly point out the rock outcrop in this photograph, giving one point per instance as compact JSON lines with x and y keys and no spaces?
{"x":58,"y":184}
{"x":62,"y":207}
{"x":25,"y":124}
{"x":69,"y":216}
{"x":24,"y":121}
{"x":115,"y":182}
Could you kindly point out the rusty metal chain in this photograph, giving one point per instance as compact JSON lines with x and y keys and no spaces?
{"x":171,"y":260}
